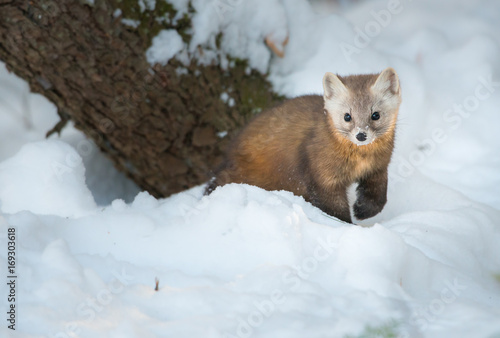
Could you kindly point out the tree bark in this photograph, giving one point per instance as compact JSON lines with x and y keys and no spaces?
{"x":161,"y":125}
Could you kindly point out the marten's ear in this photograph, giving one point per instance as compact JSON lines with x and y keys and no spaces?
{"x":332,"y":86}
{"x":388,"y":82}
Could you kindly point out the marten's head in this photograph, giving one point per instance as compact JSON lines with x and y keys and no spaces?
{"x":362,"y":107}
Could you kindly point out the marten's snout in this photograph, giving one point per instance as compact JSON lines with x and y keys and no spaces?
{"x":361,"y":137}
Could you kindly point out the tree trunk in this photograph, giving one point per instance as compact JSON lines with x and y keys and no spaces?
{"x":161,"y":125}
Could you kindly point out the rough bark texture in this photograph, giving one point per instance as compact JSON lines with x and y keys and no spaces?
{"x":157,"y":125}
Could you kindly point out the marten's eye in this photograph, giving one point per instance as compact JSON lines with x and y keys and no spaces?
{"x":375,"y":116}
{"x":347,"y":117}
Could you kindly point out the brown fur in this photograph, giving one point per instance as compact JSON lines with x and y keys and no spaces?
{"x":296,"y":147}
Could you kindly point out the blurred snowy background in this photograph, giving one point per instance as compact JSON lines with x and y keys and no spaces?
{"x":245,"y":262}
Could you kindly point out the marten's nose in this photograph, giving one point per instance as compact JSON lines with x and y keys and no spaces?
{"x":361,"y":137}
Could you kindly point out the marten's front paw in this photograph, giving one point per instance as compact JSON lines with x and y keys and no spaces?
{"x":366,"y":209}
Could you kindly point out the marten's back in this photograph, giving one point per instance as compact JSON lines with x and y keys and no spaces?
{"x":268,"y":152}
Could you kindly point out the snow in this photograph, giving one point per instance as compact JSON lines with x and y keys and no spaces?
{"x":117,"y":13}
{"x":26,"y":117}
{"x":50,"y":171}
{"x":227,"y":99}
{"x":245,"y":24}
{"x":244,"y":262}
{"x":165,"y":45}
{"x":147,"y":4}
{"x":131,"y":23}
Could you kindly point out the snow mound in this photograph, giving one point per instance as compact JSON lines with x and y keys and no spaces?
{"x":244,"y":262}
{"x":46,"y":177}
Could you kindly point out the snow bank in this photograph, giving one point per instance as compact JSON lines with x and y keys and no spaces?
{"x":247,"y":262}
{"x":45,"y":178}
{"x":26,"y":117}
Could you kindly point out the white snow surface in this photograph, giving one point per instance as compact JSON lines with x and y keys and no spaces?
{"x":165,"y":45}
{"x":50,"y":171}
{"x":245,"y":262}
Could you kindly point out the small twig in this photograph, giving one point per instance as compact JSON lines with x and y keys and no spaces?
{"x":60,"y":125}
{"x":279,"y":52}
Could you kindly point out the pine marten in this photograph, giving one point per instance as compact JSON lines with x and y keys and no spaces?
{"x":317,"y":146}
